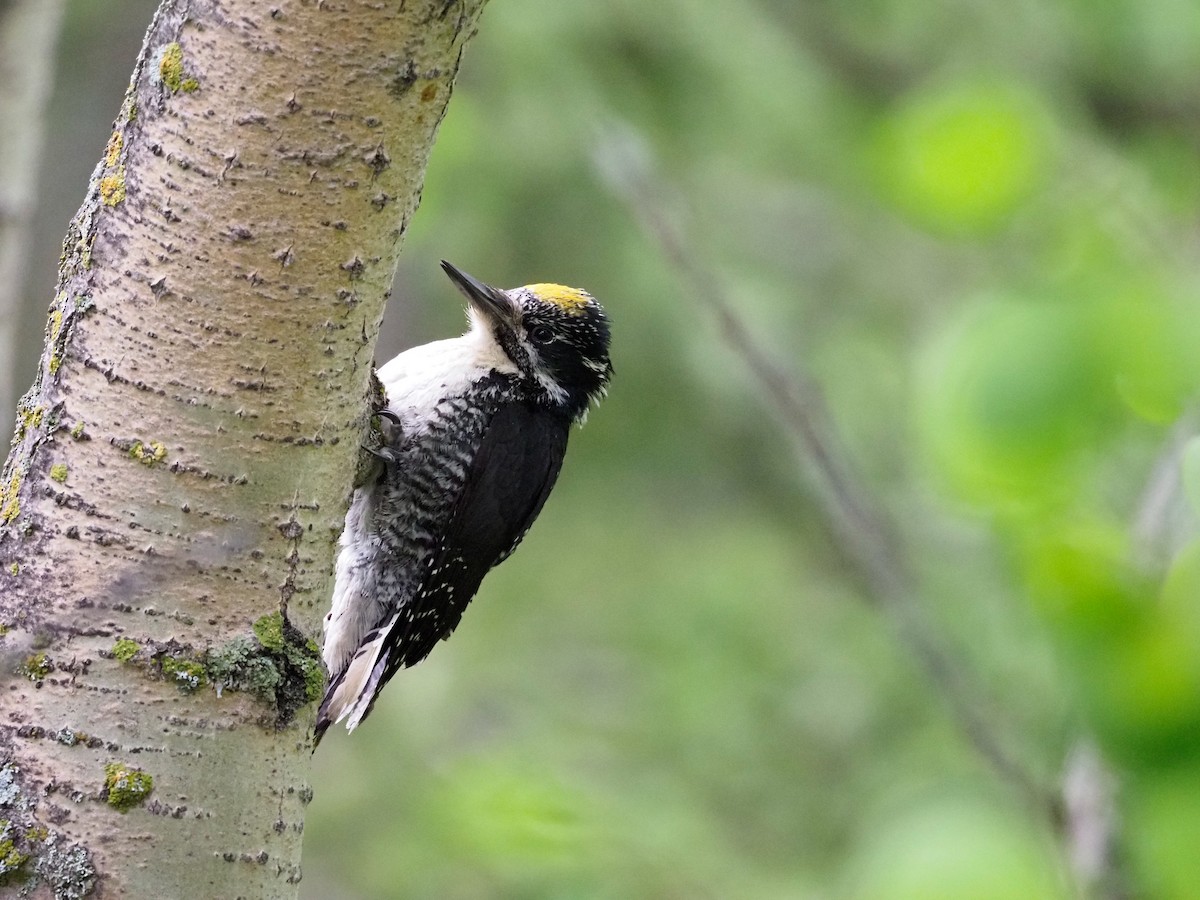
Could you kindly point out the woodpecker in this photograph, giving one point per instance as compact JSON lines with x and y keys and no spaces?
{"x":480,"y":429}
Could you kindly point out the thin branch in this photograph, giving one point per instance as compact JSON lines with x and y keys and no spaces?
{"x":1090,"y":822}
{"x":860,"y":525}
{"x":1162,"y":522}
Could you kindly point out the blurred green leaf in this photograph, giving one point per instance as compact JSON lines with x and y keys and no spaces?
{"x":952,"y":848}
{"x":1151,"y":345}
{"x":1164,"y":832}
{"x":1011,"y":393}
{"x":1080,"y":578}
{"x":501,"y":815}
{"x":1143,"y":694}
{"x":962,"y":157}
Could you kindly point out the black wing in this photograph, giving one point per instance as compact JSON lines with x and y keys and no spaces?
{"x":517,"y":464}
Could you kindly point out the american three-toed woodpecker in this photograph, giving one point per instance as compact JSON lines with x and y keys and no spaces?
{"x":481,"y":423}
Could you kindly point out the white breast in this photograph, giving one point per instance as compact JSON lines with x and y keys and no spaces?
{"x":417,"y":379}
{"x":415,"y":382}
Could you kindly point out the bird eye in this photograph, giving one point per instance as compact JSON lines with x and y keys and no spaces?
{"x":540,"y":334}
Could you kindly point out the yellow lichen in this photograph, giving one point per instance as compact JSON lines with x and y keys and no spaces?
{"x":58,"y":472}
{"x":54,"y":323}
{"x":55,"y":362}
{"x":171,"y":71}
{"x":148,"y":454}
{"x":112,"y":187}
{"x":28,"y":418}
{"x":170,"y":67}
{"x":570,"y":300}
{"x":10,"y":502}
{"x":112,"y":152}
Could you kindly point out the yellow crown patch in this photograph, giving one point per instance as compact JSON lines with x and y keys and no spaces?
{"x":570,"y":300}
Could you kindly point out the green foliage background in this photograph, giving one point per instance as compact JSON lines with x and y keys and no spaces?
{"x":976,"y":225}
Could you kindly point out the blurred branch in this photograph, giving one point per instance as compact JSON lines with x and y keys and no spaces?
{"x":863,"y":533}
{"x":28,"y":36}
{"x":1123,"y":110}
{"x":879,"y":73}
{"x":1090,"y":822}
{"x":1163,"y":522}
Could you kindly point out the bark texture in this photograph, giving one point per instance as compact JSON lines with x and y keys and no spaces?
{"x":28,"y":34}
{"x":179,"y":472}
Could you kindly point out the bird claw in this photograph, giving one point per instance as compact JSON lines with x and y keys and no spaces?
{"x":386,"y":454}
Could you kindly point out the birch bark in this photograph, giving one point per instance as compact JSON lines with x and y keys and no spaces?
{"x":180,"y":467}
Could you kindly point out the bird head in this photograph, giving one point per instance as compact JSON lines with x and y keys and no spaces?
{"x":557,"y":337}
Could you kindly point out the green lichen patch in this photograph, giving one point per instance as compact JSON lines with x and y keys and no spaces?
{"x":298,"y":657}
{"x":174,"y":662}
{"x":58,"y":472}
{"x":269,"y":631}
{"x":314,"y":672}
{"x":77,"y":430}
{"x":124,"y":649}
{"x":55,"y":362}
{"x":148,"y":454}
{"x":14,"y":569}
{"x":11,"y":858}
{"x":276,"y":665}
{"x":35,"y":667}
{"x":305,"y":674}
{"x":279,"y":666}
{"x":187,"y":674}
{"x":126,"y":786}
{"x":240,"y":665}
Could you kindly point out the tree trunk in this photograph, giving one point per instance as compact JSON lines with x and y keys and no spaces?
{"x":181,"y":465}
{"x":28,"y":33}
